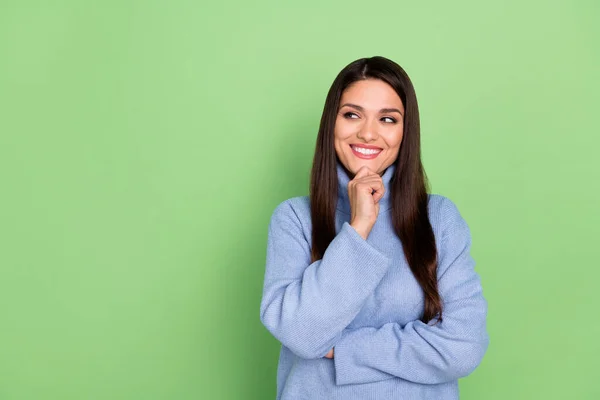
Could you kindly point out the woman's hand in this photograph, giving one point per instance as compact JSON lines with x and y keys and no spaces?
{"x":364,"y":191}
{"x":330,"y":354}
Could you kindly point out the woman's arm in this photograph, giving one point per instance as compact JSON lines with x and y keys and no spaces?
{"x":419,"y":352}
{"x":306,"y":306}
{"x":330,"y":354}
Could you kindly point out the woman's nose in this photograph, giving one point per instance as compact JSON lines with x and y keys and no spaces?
{"x":368,"y":131}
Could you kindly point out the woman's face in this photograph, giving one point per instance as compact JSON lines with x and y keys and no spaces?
{"x":369,"y":126}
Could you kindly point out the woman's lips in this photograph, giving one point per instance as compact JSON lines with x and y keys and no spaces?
{"x":365,"y":156}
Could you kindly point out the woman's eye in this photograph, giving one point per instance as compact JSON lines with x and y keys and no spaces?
{"x":352,"y":115}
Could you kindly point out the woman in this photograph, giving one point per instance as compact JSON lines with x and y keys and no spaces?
{"x":369,"y":282}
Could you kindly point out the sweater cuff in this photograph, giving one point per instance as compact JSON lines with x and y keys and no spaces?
{"x":351,"y":359}
{"x":364,"y":252}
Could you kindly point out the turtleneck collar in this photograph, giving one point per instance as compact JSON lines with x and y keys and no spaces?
{"x":343,"y":179}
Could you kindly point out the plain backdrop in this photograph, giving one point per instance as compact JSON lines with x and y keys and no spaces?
{"x":145,"y":144}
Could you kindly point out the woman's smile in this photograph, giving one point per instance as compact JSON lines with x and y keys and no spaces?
{"x":364,"y":152}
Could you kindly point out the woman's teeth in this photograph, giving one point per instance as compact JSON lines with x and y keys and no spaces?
{"x":365,"y":151}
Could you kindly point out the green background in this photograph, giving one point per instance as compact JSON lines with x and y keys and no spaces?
{"x":145,"y":144}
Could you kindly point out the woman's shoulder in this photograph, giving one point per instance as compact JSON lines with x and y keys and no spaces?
{"x":438,"y":204}
{"x":440,"y":207}
{"x":295,"y":208}
{"x":444,"y":215}
{"x":298,"y":204}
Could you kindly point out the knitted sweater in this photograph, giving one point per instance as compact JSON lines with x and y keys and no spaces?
{"x":362,"y":300}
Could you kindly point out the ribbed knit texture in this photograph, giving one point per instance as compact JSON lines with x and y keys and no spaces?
{"x":362,"y":299}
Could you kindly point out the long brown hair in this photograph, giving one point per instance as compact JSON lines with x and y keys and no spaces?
{"x":409,"y":184}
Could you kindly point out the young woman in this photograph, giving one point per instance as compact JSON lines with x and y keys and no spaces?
{"x":369,"y":283}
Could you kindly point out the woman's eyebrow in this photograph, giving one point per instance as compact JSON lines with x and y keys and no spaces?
{"x":383,"y":110}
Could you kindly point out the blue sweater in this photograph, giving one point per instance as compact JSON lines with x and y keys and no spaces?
{"x":362,"y":300}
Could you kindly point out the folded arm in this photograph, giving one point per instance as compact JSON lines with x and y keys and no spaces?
{"x":419,"y":352}
{"x":305,"y":305}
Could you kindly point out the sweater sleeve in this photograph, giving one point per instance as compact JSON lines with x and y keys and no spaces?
{"x":305,"y":305}
{"x":419,"y":352}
